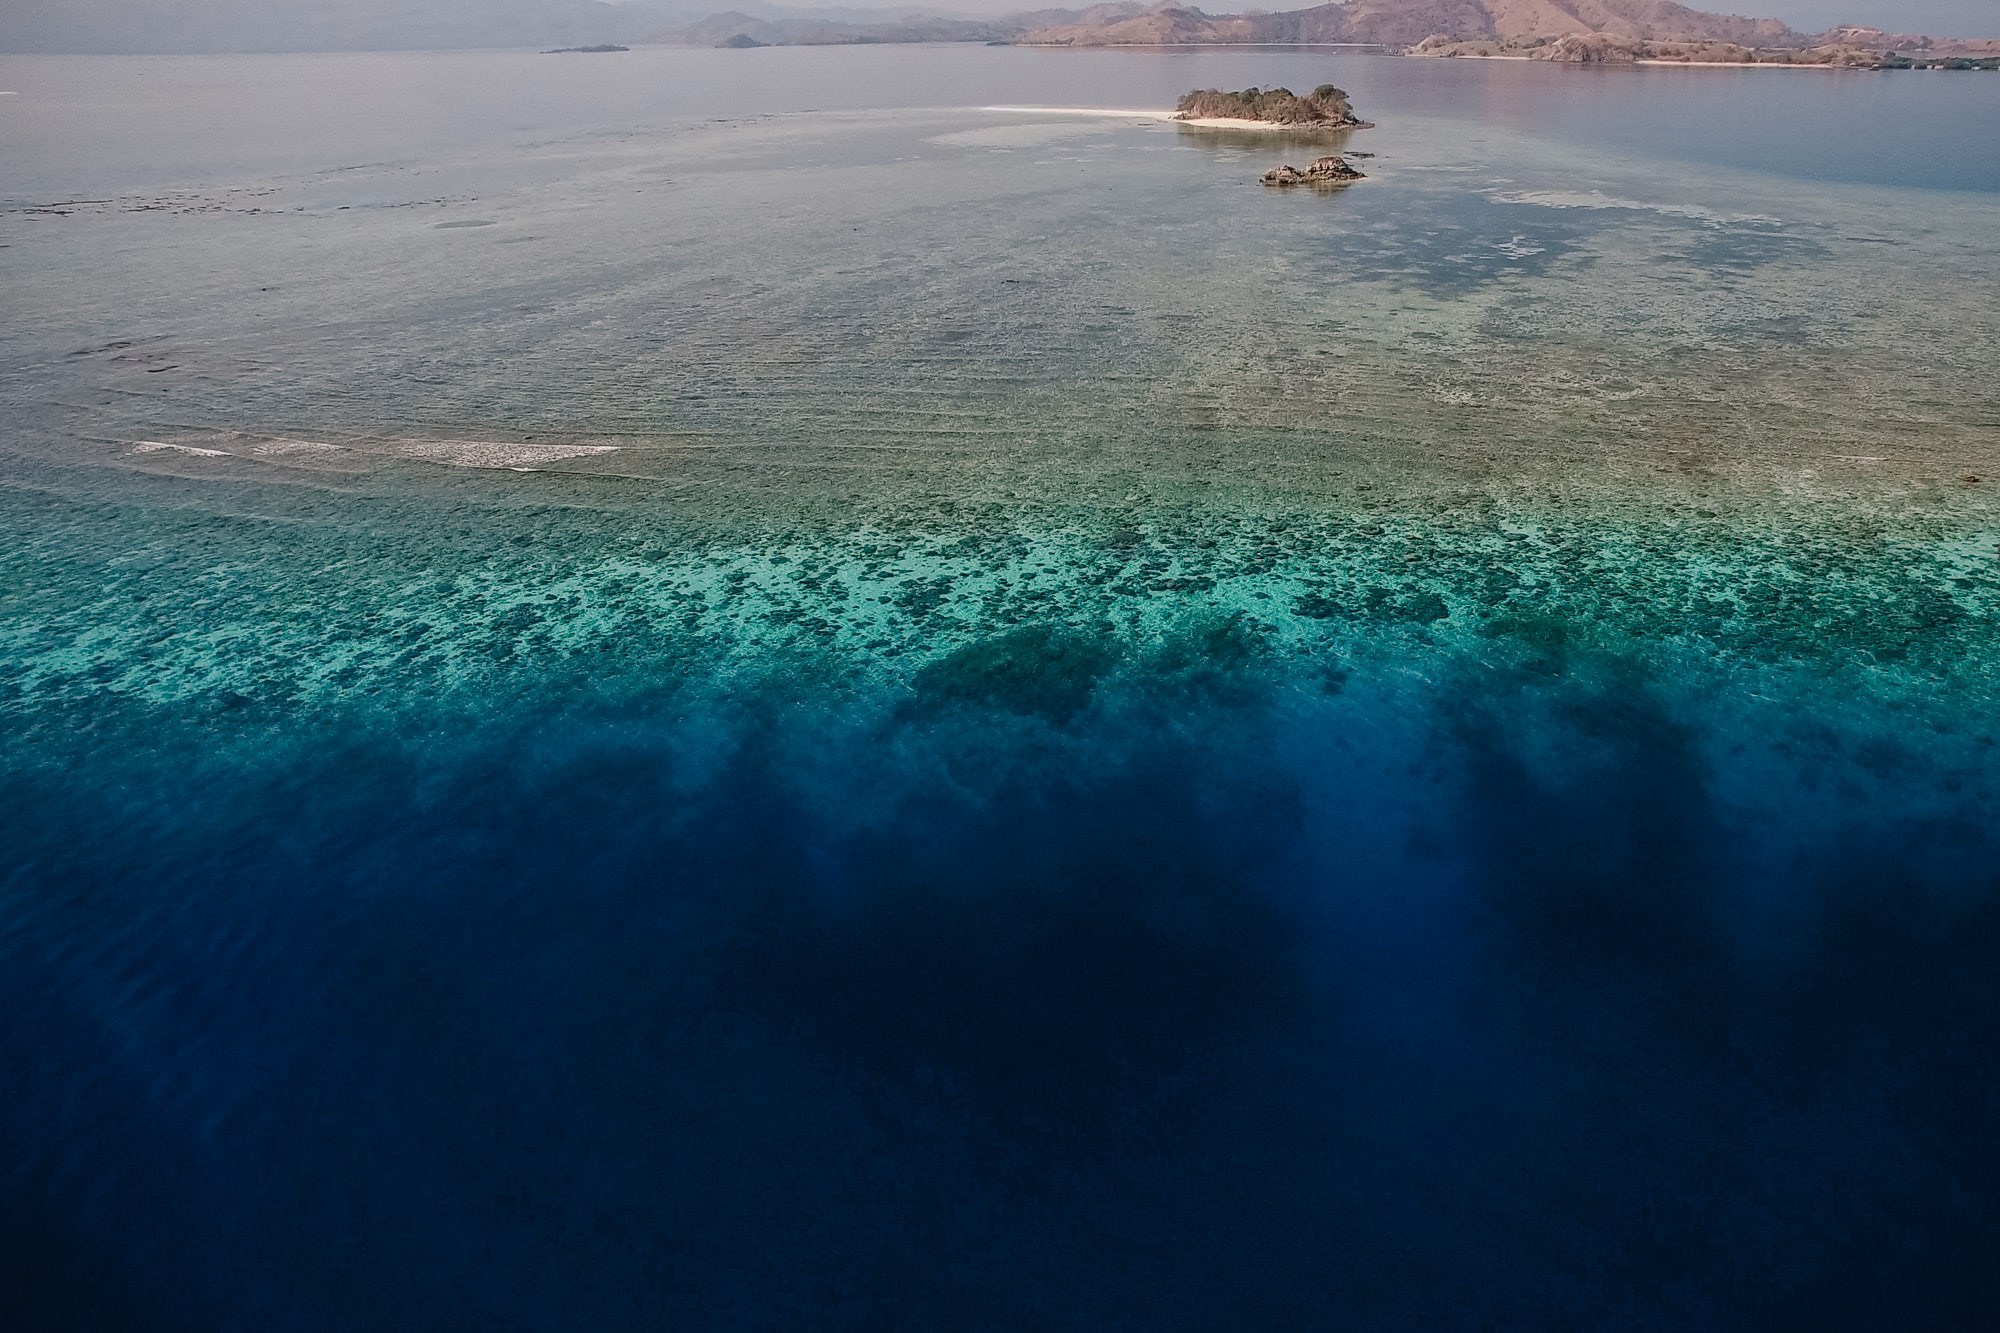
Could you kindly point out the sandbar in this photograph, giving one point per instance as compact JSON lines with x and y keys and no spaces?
{"x":494,"y":453}
{"x":161,"y":446}
{"x":1205,"y":122}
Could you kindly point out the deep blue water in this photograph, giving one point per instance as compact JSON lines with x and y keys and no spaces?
{"x":938,"y":719}
{"x":1196,"y":1018}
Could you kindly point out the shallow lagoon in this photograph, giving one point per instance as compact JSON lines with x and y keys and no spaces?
{"x":914,"y":716}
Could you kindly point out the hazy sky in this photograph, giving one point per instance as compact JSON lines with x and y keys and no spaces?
{"x":254,"y":25}
{"x":1943,"y":18}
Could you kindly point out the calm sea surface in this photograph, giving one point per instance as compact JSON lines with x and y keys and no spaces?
{"x":728,"y":690}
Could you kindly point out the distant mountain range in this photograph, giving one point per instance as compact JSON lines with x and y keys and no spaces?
{"x":810,"y":28}
{"x":1408,"y":22}
{"x":1583,"y":31}
{"x":1544,"y":29}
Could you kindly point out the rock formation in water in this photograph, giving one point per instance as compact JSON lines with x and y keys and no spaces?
{"x":1331,"y":170}
{"x":1325,"y":107}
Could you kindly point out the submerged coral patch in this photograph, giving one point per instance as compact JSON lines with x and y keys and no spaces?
{"x":1037,"y":669}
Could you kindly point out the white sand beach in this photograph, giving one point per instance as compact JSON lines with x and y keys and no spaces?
{"x":1127,"y":113}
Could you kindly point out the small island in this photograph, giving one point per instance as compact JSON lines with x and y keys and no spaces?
{"x":1332,"y":170}
{"x":1325,"y":108}
{"x":601,"y":48}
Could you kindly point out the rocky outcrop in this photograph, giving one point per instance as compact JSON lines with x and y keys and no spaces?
{"x":1596,"y":48}
{"x":1331,"y":170}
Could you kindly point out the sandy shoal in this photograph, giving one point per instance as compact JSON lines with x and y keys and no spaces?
{"x":1126,"y":113}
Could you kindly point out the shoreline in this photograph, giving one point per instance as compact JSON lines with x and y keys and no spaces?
{"x":1666,"y":64}
{"x":1663,"y":64}
{"x":1172,"y":118}
{"x":1757,"y":64}
{"x":1389,"y":47}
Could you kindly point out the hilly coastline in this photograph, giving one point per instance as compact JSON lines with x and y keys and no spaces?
{"x":1403,"y":23}
{"x":1579,"y":31}
{"x":1571,"y":31}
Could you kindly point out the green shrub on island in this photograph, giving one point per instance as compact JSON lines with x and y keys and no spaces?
{"x":1325,"y":105}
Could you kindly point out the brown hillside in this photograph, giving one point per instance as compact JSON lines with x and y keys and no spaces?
{"x":1407,"y":22}
{"x":1647,"y":20}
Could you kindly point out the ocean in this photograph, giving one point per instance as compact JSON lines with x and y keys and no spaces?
{"x":722,"y":689}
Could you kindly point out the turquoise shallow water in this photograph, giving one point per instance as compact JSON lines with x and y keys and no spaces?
{"x":744,"y":694}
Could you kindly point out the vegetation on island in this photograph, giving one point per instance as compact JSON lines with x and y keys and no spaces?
{"x":1898,"y":60}
{"x":1326,"y":105}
